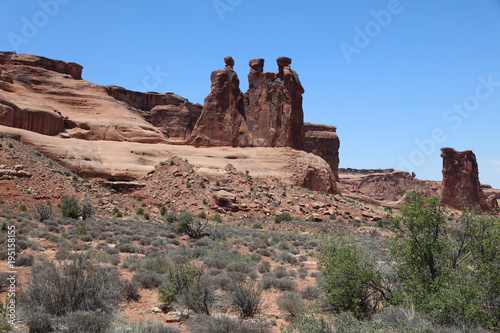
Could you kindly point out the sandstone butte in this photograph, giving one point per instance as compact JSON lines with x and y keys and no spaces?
{"x":115,"y":133}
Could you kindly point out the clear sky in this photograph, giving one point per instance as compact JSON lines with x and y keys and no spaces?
{"x":400,"y":79}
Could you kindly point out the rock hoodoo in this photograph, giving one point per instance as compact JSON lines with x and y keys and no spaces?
{"x":222,"y":120}
{"x":269,"y":114}
{"x":461,"y":185}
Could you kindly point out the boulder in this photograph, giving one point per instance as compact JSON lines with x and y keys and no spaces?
{"x":224,"y":198}
{"x":461,"y":187}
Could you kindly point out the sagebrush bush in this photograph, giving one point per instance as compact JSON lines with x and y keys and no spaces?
{"x":247,"y":299}
{"x":199,"y":296}
{"x":291,"y":303}
{"x":56,"y":291}
{"x":264,"y":267}
{"x":147,"y":279}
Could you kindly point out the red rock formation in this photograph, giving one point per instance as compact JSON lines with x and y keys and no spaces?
{"x":173,"y":115}
{"x":493,"y":203}
{"x":222,"y":120}
{"x":461,"y":185}
{"x":39,"y":121}
{"x":273,"y":106}
{"x":70,"y":68}
{"x":322,"y":140}
{"x":269,"y":114}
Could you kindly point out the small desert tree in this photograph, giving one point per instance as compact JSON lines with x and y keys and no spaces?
{"x":448,"y":269}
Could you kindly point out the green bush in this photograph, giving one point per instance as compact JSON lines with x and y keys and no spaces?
{"x":350,"y":281}
{"x":282,"y":217}
{"x":199,"y":296}
{"x":70,"y":207}
{"x":177,"y":279}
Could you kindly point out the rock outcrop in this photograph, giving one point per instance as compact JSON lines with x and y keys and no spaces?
{"x":461,"y":185}
{"x":222,"y":121}
{"x":269,"y":114}
{"x":39,"y":121}
{"x":273,"y":106}
{"x":69,"y":68}
{"x":322,"y":140}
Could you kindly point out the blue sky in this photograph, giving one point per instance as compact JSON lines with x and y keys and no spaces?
{"x":400,"y":79}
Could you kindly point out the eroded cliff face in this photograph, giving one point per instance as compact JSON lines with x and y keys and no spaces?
{"x":461,"y":186}
{"x":322,"y":140}
{"x":114,"y":133}
{"x":173,"y":115}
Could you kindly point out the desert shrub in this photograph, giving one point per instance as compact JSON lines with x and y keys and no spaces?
{"x":85,"y":322}
{"x":147,"y":279}
{"x":264,"y":267}
{"x":224,"y":324}
{"x":5,"y":325}
{"x":223,"y":282}
{"x":281,"y":271}
{"x":187,"y":225}
{"x":291,"y":303}
{"x":129,"y":248}
{"x":70,"y":207}
{"x":86,"y":209}
{"x":42,"y":212}
{"x":130,"y":291}
{"x":268,"y":281}
{"x":255,"y":257}
{"x":28,"y":260}
{"x":216,"y":218}
{"x":265,"y":252}
{"x":38,"y":322}
{"x":282,"y":217}
{"x":286,"y":284}
{"x":286,"y":257}
{"x":450,"y":272}
{"x":177,"y":279}
{"x":199,"y":296}
{"x":56,"y":291}
{"x":350,"y":281}
{"x":302,"y":272}
{"x":310,"y":292}
{"x":247,"y":300}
